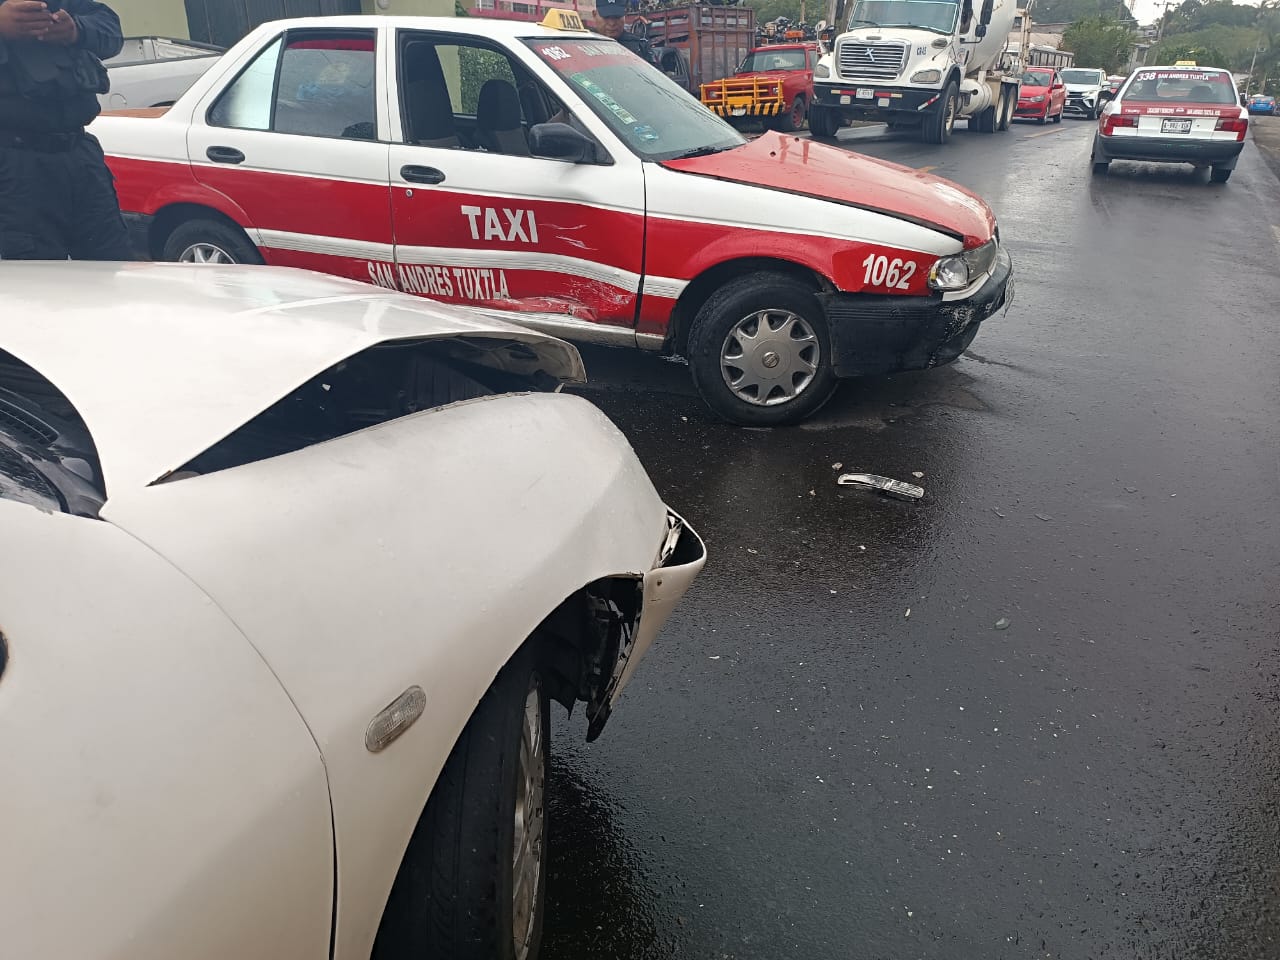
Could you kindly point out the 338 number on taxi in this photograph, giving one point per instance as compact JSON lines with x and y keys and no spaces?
{"x":882,"y":272}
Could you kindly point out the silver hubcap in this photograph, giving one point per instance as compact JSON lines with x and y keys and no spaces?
{"x":528,"y":846}
{"x":770,"y":357}
{"x":205,"y":253}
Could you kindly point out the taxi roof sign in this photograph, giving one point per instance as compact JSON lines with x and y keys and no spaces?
{"x":558,"y":19}
{"x":1185,"y":63}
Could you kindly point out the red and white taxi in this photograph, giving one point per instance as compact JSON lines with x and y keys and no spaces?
{"x":1178,"y":114}
{"x":551,"y":177}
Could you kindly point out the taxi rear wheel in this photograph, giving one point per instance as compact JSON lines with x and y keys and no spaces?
{"x":1220,"y":175}
{"x":1100,"y":167}
{"x":760,"y":351}
{"x":209,"y":241}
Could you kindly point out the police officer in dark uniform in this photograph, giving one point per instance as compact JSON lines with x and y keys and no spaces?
{"x":57,"y":197}
{"x":609,"y":21}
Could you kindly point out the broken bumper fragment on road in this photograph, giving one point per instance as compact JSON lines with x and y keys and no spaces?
{"x":897,"y":489}
{"x":875,"y":335}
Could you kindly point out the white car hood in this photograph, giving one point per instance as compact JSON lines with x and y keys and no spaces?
{"x":1083,"y":87}
{"x":164,"y":360}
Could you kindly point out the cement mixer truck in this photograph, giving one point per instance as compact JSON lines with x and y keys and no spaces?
{"x":922,"y":64}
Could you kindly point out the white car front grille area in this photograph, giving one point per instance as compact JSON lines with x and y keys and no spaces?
{"x":871,"y":61}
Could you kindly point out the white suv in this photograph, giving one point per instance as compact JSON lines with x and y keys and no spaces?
{"x":1084,"y":92}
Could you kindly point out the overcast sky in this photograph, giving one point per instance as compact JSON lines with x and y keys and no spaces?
{"x":1148,"y":11}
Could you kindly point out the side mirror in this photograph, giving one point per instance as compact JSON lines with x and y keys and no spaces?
{"x":559,"y":141}
{"x":980,"y":31}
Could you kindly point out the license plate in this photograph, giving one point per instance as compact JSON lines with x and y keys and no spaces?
{"x":739,"y":111}
{"x":1175,"y":126}
{"x":845,"y":99}
{"x":866,"y":93}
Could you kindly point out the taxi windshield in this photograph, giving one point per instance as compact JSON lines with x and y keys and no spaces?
{"x":1181,"y":86}
{"x":936,"y":15}
{"x":1035,"y":78}
{"x":651,"y":114}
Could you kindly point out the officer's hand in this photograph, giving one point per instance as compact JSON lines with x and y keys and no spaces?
{"x":64,"y":30}
{"x":24,"y":19}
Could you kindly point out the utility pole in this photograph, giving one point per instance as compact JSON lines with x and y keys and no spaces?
{"x":1164,"y":6}
{"x":1252,"y":63}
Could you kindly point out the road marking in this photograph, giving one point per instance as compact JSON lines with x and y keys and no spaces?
{"x":1043,"y":133}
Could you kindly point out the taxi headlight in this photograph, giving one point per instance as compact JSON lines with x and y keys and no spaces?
{"x":822,"y":70}
{"x":926,"y":76}
{"x":958,"y":271}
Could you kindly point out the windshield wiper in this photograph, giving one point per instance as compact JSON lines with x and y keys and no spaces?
{"x":914,"y":26}
{"x":871,"y":23}
{"x":701,"y":152}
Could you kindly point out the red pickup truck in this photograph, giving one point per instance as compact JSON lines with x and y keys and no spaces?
{"x":773,"y":84}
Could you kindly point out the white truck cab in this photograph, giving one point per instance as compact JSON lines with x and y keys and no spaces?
{"x":919,"y":63}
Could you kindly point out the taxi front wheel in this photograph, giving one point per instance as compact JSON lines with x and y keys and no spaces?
{"x":760,"y":351}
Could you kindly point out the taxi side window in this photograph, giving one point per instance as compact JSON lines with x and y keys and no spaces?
{"x":316,"y":83}
{"x":469,"y":96}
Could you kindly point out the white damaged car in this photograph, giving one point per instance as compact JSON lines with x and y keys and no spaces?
{"x":291,"y":570}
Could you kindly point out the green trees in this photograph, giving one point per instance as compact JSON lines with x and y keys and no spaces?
{"x":1099,"y":42}
{"x":1221,"y":33}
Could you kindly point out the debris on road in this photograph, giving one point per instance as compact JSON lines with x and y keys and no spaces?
{"x":885,"y":485}
{"x":1043,"y":516}
{"x":1002,"y":623}
{"x":917,"y":474}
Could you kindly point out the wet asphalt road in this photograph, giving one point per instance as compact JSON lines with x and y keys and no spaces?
{"x":801,"y":769}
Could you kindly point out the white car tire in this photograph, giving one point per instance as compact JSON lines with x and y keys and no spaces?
{"x":462,"y":892}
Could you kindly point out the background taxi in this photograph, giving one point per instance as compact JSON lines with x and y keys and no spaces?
{"x":1178,"y":114}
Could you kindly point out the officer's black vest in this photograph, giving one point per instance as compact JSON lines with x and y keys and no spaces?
{"x":46,"y":88}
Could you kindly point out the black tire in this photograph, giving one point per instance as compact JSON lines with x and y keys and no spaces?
{"x":823,"y":121}
{"x":1044,"y":119}
{"x":709,"y":340}
{"x":985,"y":121}
{"x":1008,"y":109}
{"x":940,"y":121}
{"x":1058,"y":118}
{"x":1100,"y":167}
{"x":453,"y":896}
{"x":229,"y":240}
{"x":1220,"y":174}
{"x":793,"y":119}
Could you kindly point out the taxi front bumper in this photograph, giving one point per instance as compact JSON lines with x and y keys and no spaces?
{"x":875,"y":335}
{"x":1166,"y":149}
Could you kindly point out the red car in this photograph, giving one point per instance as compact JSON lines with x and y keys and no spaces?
{"x":1043,"y":96}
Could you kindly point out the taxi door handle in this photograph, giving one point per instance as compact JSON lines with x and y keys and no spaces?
{"x":415,"y":174}
{"x":224,"y":155}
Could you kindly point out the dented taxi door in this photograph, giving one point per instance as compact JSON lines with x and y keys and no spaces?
{"x":479,"y":221}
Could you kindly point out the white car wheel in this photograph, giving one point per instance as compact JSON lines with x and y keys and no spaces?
{"x":473,"y":882}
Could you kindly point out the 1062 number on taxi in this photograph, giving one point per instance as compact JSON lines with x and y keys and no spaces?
{"x":880,"y":271}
